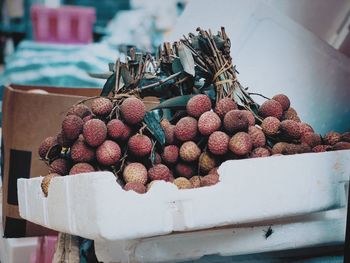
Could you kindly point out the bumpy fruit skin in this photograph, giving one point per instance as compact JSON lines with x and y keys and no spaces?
{"x":140,"y":145}
{"x":170,"y":154}
{"x":341,"y":146}
{"x":63,"y":141}
{"x":279,"y":148}
{"x":345,"y":137}
{"x":303,"y":148}
{"x":218,"y":143}
{"x":95,"y":132}
{"x":225,"y":105}
{"x":235,"y":121}
{"x":169,"y":134}
{"x":290,"y":149}
{"x":132,"y":110}
{"x":260,"y":152}
{"x":186,"y":129}
{"x":108,"y":153}
{"x":189,"y":151}
{"x":305,"y":128}
{"x":46,"y":145}
{"x":271,"y":108}
{"x":283,"y":100}
{"x":72,"y":126}
{"x":115,"y":129}
{"x":271,"y":126}
{"x":210,"y":179}
{"x":59,"y":166}
{"x":241,"y":143}
{"x":184,"y":170}
{"x":159,"y":172}
{"x":81,"y":110}
{"x":81,"y":168}
{"x":290,"y":129}
{"x":136,"y":187}
{"x":197,"y":105}
{"x":182,"y":183}
{"x":208,"y":122}
{"x":206,"y":162}
{"x":311,"y":139}
{"x":214,"y":171}
{"x":45,"y":183}
{"x":101,"y":106}
{"x":195,"y":181}
{"x":250,"y":117}
{"x":332,"y":138}
{"x":257,"y":136}
{"x":290,"y":114}
{"x":321,"y":148}
{"x":158,"y":159}
{"x":127,"y":133}
{"x":135,"y":173}
{"x":81,"y":152}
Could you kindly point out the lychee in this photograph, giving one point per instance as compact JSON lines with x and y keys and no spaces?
{"x":290,"y":129}
{"x":189,"y":151}
{"x":241,"y":143}
{"x":279,"y":148}
{"x":321,"y":148}
{"x":303,"y":148}
{"x":87,"y":118}
{"x":81,"y":152}
{"x":108,"y":153}
{"x":132,"y":110}
{"x":95,"y":132}
{"x":115,"y":129}
{"x":341,"y":146}
{"x":135,"y":173}
{"x":127,"y":133}
{"x":209,"y":122}
{"x":170,"y":154}
{"x":260,"y":152}
{"x":271,"y":126}
{"x":332,"y":138}
{"x":215,"y":170}
{"x":185,"y":170}
{"x":225,"y":105}
{"x":159,"y":172}
{"x":157,"y":159}
{"x":45,"y":183}
{"x":271,"y":108}
{"x":218,"y":143}
{"x":257,"y":136}
{"x":197,"y":105}
{"x":81,"y":168}
{"x":195,"y":181}
{"x":310,"y":138}
{"x":291,"y":148}
{"x":206,"y":162}
{"x":140,"y":145}
{"x":186,"y":129}
{"x":235,"y":121}
{"x":210,"y":179}
{"x":169,"y":134}
{"x":46,"y":145}
{"x":283,"y":100}
{"x":182,"y":183}
{"x":290,"y":114}
{"x":63,"y":140}
{"x":305,"y":128}
{"x":59,"y":166}
{"x":164,"y":123}
{"x":81,"y":110}
{"x":101,"y":106}
{"x":136,"y":187}
{"x":72,"y":126}
{"x":250,"y":117}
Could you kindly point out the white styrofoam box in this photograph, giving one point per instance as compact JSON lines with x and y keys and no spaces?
{"x":276,"y":55}
{"x":94,"y":206}
{"x":319,"y":229}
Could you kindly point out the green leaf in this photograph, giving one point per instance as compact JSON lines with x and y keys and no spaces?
{"x":105,"y":75}
{"x":186,"y":59}
{"x":178,"y":103}
{"x":153,"y":125}
{"x":153,"y":153}
{"x":109,"y":85}
{"x":126,"y":76}
{"x":111,"y":67}
{"x":176,"y":66}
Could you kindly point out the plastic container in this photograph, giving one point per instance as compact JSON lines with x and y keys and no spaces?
{"x":66,"y":24}
{"x":45,"y":250}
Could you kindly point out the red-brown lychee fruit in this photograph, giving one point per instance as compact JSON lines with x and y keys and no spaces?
{"x":215,"y":170}
{"x":132,"y":110}
{"x":345,"y":137}
{"x":271,"y":126}
{"x":164,"y":123}
{"x":159,"y":172}
{"x":189,"y":151}
{"x":81,"y":168}
{"x":59,"y":166}
{"x":291,"y":114}
{"x":140,"y":145}
{"x":257,"y":136}
{"x":321,"y":148}
{"x":185,"y":170}
{"x":341,"y":146}
{"x":81,"y":110}
{"x":157,"y":159}
{"x":210,"y":179}
{"x":303,"y":148}
{"x":235,"y":121}
{"x":271,"y":108}
{"x":305,"y":128}
{"x":331,"y":138}
{"x":225,"y":105}
{"x":95,"y":132}
{"x":170,"y":154}
{"x":290,"y":149}
{"x":45,"y":183}
{"x":115,"y":129}
{"x":283,"y":100}
{"x":45,"y":146}
{"x":197,"y":105}
{"x":290,"y":129}
{"x":108,"y":153}
{"x":250,"y":117}
{"x":135,"y":173}
{"x":63,"y":140}
{"x":87,"y":118}
{"x":136,"y":187}
{"x":209,"y":122}
{"x":81,"y":152}
{"x":218,"y":143}
{"x":310,"y":138}
{"x":206,"y":162}
{"x":127,"y":133}
{"x":182,"y":183}
{"x":169,"y":133}
{"x":186,"y":129}
{"x":260,"y":152}
{"x":241,"y":143}
{"x":195,"y":181}
{"x":101,"y":106}
{"x":279,"y":148}
{"x":72,"y":126}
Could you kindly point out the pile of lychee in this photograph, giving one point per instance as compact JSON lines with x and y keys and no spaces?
{"x":110,"y":136}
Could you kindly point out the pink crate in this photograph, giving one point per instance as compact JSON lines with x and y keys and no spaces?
{"x":66,"y":24}
{"x":45,"y":250}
